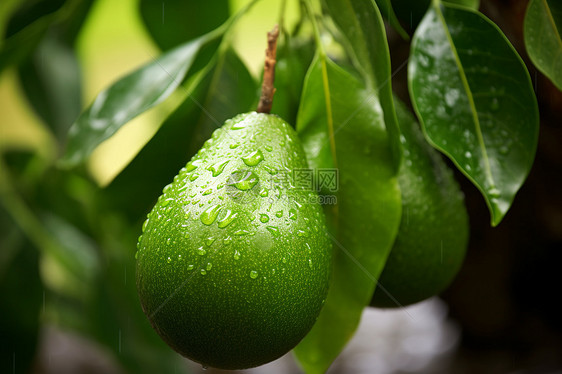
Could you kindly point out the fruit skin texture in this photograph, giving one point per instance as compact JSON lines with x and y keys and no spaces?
{"x":433,"y":234}
{"x":233,"y":267}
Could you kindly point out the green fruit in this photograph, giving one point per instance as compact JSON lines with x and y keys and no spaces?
{"x":233,"y":264}
{"x":433,"y":233}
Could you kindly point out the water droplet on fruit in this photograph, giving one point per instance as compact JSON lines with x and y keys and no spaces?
{"x":207,"y":192}
{"x":209,"y":266}
{"x":190,"y":267}
{"x":302,"y":233}
{"x":264,"y":218}
{"x":270,"y":170}
{"x":236,"y":255}
{"x":136,"y":255}
{"x":167,"y":202}
{"x":210,"y":240}
{"x":253,"y":158}
{"x":227,"y":219}
{"x":284,"y":260}
{"x":279,"y":213}
{"x":243,"y":180}
{"x":192,"y":165}
{"x":227,"y":240}
{"x":203,"y":271}
{"x":264,"y":192}
{"x":292,"y":214}
{"x":310,"y":263}
{"x":241,"y":232}
{"x":145,"y":224}
{"x":201,"y":251}
{"x":253,"y":274}
{"x":169,"y":260}
{"x":238,"y":126}
{"x":210,"y":214}
{"x":193,"y":177}
{"x":273,"y":230}
{"x":217,"y":168}
{"x":234,"y":145}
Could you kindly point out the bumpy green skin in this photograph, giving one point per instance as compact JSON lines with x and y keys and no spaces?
{"x":245,"y":294}
{"x":433,"y":234}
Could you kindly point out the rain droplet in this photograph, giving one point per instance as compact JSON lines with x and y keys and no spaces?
{"x":273,"y":230}
{"x":241,"y":232}
{"x":227,"y":219}
{"x":268,"y":148}
{"x":192,"y":165}
{"x":253,"y":274}
{"x":201,"y":251}
{"x":210,"y":240}
{"x":238,"y":126}
{"x":227,"y":240}
{"x":270,"y":170}
{"x":467,"y":154}
{"x":264,"y":218}
{"x":190,"y":267}
{"x":279,"y":213}
{"x":210,"y":214}
{"x":243,"y":180}
{"x":167,"y":202}
{"x":253,"y":158}
{"x":293,"y":214}
{"x":209,"y":266}
{"x":207,"y":192}
{"x":310,"y":263}
{"x":217,"y":168}
{"x":494,"y":193}
{"x":234,"y":145}
{"x":203,"y":271}
{"x":302,"y":233}
{"x":263,"y":192}
{"x":236,"y":255}
{"x":193,"y":177}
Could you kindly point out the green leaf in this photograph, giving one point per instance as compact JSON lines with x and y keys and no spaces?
{"x":129,"y":97}
{"x":543,"y":30}
{"x":173,"y":22}
{"x":387,"y":11}
{"x":474,"y":99}
{"x":50,"y":78}
{"x":362,"y":25}
{"x":341,"y":125}
{"x":226,"y":90}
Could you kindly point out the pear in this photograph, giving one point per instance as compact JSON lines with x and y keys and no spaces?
{"x":234,"y":262}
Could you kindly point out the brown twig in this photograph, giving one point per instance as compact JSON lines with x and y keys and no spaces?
{"x":267,"y":89}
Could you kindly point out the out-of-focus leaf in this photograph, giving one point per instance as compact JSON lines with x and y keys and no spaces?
{"x":27,"y":27}
{"x":21,"y":290}
{"x":293,"y":60}
{"x":475,"y":101}
{"x":129,"y":97}
{"x":543,"y":40}
{"x":361,"y":23}
{"x":341,"y":125}
{"x":228,"y":89}
{"x":387,"y":12}
{"x":50,"y":78}
{"x":173,"y":22}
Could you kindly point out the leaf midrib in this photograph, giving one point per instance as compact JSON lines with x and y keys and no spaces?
{"x":487,"y":168}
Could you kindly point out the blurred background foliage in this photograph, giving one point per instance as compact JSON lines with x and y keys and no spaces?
{"x":67,"y":268}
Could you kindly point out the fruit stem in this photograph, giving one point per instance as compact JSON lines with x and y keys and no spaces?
{"x":267,"y":88}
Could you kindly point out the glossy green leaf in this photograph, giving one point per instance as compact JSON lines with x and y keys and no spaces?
{"x":361,"y":23}
{"x":129,"y":97}
{"x":474,"y":99}
{"x":387,"y":12}
{"x":543,"y":40}
{"x":173,"y":22}
{"x":226,"y":90}
{"x":341,"y":125}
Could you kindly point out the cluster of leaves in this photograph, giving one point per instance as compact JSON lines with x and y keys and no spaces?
{"x":470,"y":90}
